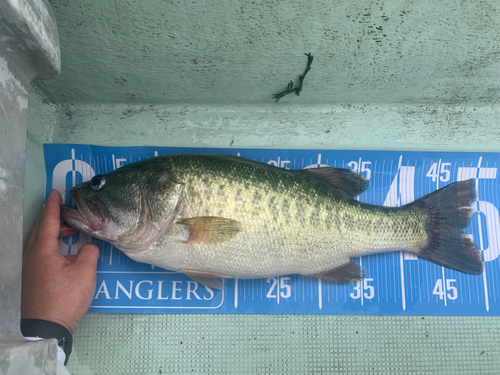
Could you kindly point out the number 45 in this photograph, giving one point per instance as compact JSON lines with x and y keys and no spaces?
{"x":439,"y":290}
{"x":434,"y":173}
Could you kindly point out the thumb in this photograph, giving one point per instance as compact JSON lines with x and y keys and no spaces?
{"x":86,"y":259}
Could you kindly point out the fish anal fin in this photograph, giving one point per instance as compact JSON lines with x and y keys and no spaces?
{"x":345,"y":274}
{"x":347,"y":181}
{"x":206,"y":278}
{"x":208,"y":229}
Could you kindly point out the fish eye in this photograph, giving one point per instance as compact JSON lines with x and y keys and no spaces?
{"x":97,"y":182}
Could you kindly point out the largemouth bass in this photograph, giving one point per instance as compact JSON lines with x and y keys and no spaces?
{"x":219,"y":216}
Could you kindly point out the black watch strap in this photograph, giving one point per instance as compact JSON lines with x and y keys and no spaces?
{"x":48,"y":330}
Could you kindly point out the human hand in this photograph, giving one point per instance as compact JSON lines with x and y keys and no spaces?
{"x":56,"y":288}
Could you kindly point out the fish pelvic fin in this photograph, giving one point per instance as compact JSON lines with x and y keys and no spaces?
{"x":345,"y":274}
{"x":208,"y":229}
{"x":350,"y":183}
{"x":205,"y":278}
{"x":449,"y":210}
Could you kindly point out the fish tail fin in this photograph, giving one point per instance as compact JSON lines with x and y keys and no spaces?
{"x":450,"y":211}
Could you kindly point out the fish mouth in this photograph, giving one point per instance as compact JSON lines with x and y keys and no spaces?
{"x":86,"y":217}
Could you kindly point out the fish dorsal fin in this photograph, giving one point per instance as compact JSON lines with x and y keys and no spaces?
{"x":347,"y":181}
{"x":344,"y":274}
{"x":207,"y":229}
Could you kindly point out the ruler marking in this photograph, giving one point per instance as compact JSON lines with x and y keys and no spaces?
{"x":320,"y":297}
{"x":401,"y":256}
{"x":444,"y":287}
{"x":361,"y":281}
{"x":438,"y":172}
{"x":328,"y":293}
{"x":493,"y":201}
{"x":303,"y":289}
{"x":385,"y":255}
{"x":403,"y":292}
{"x":235,"y":293}
{"x":481,"y":246}
{"x":480,"y":235}
{"x":427,"y":282}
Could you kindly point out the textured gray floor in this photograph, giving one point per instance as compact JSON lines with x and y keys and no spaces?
{"x":271,"y":344}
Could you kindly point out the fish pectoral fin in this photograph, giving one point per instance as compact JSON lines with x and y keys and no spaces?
{"x":345,"y":274}
{"x":206,"y":278}
{"x":350,"y":183}
{"x":208,"y":229}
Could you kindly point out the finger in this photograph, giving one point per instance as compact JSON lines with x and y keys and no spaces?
{"x":70,"y":258}
{"x":66,"y":230}
{"x":31,"y":238}
{"x":49,"y":223}
{"x":35,"y":231}
{"x":86,"y":259}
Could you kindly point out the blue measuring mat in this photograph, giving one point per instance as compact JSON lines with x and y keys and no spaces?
{"x":396,"y":283}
